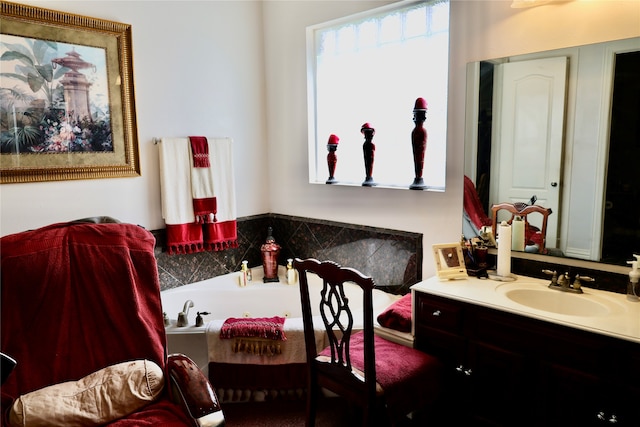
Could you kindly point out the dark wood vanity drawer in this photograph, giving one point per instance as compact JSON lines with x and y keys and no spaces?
{"x":436,"y":313}
{"x":451,"y":348}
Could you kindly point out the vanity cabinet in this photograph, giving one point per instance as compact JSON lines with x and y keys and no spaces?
{"x":511,"y":370}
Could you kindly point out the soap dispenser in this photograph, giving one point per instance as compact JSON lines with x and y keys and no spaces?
{"x":633,"y":288}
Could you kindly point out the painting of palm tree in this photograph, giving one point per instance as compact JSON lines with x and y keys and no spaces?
{"x":53,"y":97}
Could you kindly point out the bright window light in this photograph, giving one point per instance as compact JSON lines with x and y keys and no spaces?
{"x":371,"y":68}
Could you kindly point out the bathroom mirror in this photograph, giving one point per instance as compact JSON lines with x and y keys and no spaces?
{"x":587,"y":174}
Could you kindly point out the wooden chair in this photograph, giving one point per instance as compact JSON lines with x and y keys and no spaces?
{"x":385,"y":379}
{"x":524,"y":210}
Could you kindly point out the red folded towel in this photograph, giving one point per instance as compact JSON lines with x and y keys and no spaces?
{"x":260,"y":327}
{"x":398,"y":315}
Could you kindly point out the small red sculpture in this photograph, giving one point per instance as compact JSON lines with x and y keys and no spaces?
{"x":332,"y":158}
{"x":419,"y":142}
{"x":368,"y":149}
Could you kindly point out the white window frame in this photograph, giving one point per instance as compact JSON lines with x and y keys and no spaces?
{"x":393,"y":149}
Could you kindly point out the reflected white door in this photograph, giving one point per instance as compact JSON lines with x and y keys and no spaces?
{"x":531,"y":106}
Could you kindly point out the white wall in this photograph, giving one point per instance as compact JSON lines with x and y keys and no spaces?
{"x":204,"y":67}
{"x":197,"y":71}
{"x":479,"y":30}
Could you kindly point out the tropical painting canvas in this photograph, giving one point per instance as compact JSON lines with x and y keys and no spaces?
{"x":54,"y":98}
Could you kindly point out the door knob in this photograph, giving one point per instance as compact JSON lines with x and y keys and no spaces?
{"x":554,"y":184}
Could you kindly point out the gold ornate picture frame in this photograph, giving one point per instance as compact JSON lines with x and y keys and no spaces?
{"x":449,"y":261}
{"x":67,"y":107}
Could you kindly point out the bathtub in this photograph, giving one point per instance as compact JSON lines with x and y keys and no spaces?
{"x":223,"y":297}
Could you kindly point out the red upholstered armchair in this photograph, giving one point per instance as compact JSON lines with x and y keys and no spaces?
{"x":78,"y":299}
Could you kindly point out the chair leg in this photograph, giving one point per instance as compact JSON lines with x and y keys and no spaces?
{"x":376,"y":416}
{"x":312,"y":405}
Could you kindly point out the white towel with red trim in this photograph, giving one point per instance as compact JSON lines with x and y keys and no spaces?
{"x":198,"y":203}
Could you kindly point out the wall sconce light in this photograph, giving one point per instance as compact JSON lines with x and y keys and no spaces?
{"x":519,"y":4}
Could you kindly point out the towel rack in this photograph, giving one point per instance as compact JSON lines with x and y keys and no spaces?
{"x":157,"y":140}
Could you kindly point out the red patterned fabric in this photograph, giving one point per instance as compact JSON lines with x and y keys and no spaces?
{"x":398,"y":315}
{"x":77,"y":298}
{"x":200,"y":151}
{"x":205,"y":210}
{"x":259,"y":327}
{"x":194,"y":237}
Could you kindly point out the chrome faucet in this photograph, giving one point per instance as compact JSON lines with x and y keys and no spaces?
{"x":563,"y":282}
{"x":182,"y":316}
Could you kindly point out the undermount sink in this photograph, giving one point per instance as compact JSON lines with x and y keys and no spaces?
{"x":541,"y":298}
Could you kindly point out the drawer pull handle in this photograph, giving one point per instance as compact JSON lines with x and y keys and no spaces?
{"x":436,"y":313}
{"x":611,"y":420}
{"x":464,"y":371}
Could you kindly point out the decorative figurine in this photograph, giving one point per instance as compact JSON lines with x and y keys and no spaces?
{"x":270,"y":250}
{"x":419,"y":142}
{"x":332,"y":158}
{"x":368,"y":149}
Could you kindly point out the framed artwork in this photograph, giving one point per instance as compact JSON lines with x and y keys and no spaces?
{"x":449,"y":261}
{"x":67,"y":107}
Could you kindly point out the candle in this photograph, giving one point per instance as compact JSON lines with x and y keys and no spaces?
{"x":504,"y":250}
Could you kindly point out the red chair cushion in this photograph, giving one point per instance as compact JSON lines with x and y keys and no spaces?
{"x":405,"y":374}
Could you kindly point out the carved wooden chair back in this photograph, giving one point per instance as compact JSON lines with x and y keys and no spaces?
{"x":522,"y":210}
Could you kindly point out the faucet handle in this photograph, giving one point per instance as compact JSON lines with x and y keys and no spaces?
{"x":553,"y":274}
{"x":199,"y":320}
{"x":577,"y":283}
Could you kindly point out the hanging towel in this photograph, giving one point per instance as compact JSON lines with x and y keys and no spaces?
{"x":202,"y":180}
{"x":210,"y":191}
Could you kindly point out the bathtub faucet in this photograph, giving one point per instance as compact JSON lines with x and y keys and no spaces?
{"x":182,"y":316}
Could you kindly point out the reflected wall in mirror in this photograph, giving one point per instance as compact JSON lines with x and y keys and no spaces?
{"x":561,"y":127}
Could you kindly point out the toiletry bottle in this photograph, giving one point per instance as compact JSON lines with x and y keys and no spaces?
{"x":248,"y":270}
{"x":291,"y":273}
{"x":245,"y":273}
{"x":633,"y":288}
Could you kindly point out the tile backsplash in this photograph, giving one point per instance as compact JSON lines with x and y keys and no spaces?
{"x":393,"y":258}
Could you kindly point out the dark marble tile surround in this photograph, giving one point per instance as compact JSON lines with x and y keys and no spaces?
{"x":393,"y":258}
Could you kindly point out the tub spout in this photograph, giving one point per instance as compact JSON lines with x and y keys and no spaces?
{"x":182,"y":316}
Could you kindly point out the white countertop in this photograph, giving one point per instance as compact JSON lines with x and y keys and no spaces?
{"x":623,"y":321}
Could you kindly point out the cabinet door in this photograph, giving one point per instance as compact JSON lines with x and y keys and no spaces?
{"x":572,"y":397}
{"x":498,"y":386}
{"x":624,"y":392}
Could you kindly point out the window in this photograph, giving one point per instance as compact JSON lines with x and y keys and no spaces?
{"x":371,"y":68}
